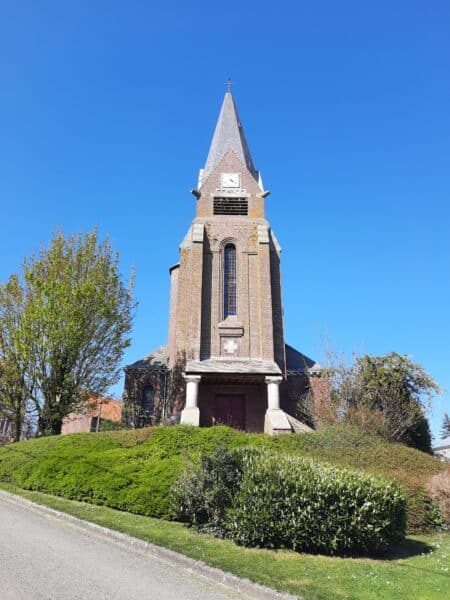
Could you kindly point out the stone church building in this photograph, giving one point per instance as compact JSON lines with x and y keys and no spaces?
{"x":226,"y":360}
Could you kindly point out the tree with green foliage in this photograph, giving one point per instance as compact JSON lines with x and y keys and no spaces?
{"x":387,"y":395}
{"x":74,"y":325}
{"x":401,"y":391}
{"x":445,"y":429}
{"x":15,"y":383}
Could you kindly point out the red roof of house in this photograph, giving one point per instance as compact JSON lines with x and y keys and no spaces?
{"x":106,"y":408}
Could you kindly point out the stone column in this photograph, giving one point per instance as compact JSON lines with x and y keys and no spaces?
{"x":273,"y":392}
{"x":276,"y":420}
{"x":190,"y":415}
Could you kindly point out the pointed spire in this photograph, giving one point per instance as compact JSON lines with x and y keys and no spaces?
{"x":228,"y":135}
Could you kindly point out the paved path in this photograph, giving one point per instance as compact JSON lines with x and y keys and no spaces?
{"x":42,"y":557}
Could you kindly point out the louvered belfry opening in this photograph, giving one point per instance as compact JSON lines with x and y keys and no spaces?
{"x":229,"y":280}
{"x":231,"y":206}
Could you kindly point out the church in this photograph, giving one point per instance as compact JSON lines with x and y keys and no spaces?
{"x":226,"y":360}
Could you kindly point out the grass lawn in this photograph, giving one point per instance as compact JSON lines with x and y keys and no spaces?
{"x":419,"y":569}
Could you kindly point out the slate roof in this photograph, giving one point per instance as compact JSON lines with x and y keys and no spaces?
{"x":228,"y":135}
{"x":157,"y":359}
{"x":296,"y":361}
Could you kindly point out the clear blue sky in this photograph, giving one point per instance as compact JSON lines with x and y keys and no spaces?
{"x":106,"y":114}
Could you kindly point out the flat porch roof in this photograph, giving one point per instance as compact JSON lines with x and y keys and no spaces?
{"x":242,"y":366}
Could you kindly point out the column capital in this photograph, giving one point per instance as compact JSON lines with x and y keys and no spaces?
{"x":192,"y":378}
{"x":276,"y":379}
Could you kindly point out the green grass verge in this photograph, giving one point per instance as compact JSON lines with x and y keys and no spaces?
{"x":135,"y":470}
{"x":418,"y":569}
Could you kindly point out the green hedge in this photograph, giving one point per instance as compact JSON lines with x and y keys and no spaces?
{"x":259,"y":498}
{"x":130,"y":470}
{"x":207,"y":489}
{"x":135,"y":470}
{"x":108,"y":425}
{"x":298,"y":503}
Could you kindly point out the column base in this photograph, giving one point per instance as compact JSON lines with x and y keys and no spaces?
{"x":276,"y":422}
{"x":190,"y":416}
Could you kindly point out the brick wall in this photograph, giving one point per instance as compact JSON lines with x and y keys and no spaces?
{"x":198,"y":282}
{"x":136,"y":380}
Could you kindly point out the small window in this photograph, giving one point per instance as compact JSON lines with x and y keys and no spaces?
{"x":231,"y":206}
{"x":147,"y":400}
{"x":229,"y":280}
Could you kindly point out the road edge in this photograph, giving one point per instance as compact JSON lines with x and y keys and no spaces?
{"x":245,"y":586}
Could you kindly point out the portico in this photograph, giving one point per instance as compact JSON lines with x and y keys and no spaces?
{"x":248,"y":401}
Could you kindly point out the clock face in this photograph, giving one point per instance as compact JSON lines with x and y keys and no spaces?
{"x":231,"y":180}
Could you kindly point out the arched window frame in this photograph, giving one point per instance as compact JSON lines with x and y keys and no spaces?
{"x":229,"y":278}
{"x":148,"y":399}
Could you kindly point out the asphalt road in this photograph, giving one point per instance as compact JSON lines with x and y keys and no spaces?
{"x":42,"y":557}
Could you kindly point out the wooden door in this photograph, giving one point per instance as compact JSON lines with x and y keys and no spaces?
{"x":229,"y":410}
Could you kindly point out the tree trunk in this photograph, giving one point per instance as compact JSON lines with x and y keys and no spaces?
{"x":17,"y":426}
{"x":49,"y":424}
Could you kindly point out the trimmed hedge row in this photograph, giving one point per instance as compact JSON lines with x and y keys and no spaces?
{"x":259,"y":498}
{"x":134,"y":470}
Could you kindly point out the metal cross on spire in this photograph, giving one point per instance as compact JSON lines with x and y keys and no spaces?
{"x":228,"y":83}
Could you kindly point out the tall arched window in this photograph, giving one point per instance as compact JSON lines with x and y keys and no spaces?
{"x":229,"y":280}
{"x":147,"y":400}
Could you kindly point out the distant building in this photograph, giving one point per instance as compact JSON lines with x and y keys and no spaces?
{"x":89,"y":417}
{"x":226,"y":361}
{"x":28,"y":429}
{"x":6,"y":434}
{"x":442,"y":449}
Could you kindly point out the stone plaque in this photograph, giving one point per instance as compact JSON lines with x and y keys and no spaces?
{"x":229,"y":346}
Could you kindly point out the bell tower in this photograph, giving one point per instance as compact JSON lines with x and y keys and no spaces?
{"x":226,"y":361}
{"x":226,"y":316}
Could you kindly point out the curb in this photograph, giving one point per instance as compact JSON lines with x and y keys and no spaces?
{"x":244,"y":586}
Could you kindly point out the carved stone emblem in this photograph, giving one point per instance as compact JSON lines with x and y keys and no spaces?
{"x":231,"y":346}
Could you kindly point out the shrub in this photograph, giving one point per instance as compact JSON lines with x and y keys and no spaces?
{"x":203,"y":493}
{"x":439,"y":488}
{"x":301,"y":504}
{"x":345,"y":446}
{"x":260,"y":498}
{"x":108,"y":425}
